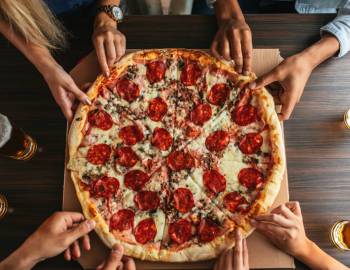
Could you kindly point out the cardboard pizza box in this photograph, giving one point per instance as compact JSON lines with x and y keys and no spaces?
{"x":262,"y":254}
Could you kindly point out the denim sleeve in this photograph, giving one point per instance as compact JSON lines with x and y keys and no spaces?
{"x":340,"y":28}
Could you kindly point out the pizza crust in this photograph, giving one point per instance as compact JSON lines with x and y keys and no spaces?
{"x":193,"y":252}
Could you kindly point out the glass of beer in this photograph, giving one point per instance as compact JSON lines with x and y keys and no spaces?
{"x":14,"y":142}
{"x":340,"y":234}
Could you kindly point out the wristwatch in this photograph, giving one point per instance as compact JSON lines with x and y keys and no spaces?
{"x":113,"y":11}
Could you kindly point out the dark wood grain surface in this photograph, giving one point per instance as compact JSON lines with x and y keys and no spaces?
{"x":317,"y":143}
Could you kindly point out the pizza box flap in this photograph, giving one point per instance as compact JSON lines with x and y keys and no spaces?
{"x":262,"y":254}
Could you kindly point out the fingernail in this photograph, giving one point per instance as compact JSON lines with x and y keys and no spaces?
{"x":91,"y":224}
{"x":87,"y":101}
{"x":117,"y":249}
{"x":246,"y":73}
{"x":253,"y":221}
{"x":252,"y":85}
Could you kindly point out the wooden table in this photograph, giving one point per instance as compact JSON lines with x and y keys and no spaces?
{"x":317,"y":144}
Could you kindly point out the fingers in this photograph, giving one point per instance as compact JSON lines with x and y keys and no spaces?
{"x":247,"y":52}
{"x":275,"y":218}
{"x":288,"y":105}
{"x":101,"y":55}
{"x":294,"y":207}
{"x":110,"y":50}
{"x":72,"y":217}
{"x":225,"y":48}
{"x":75,"y":250}
{"x":236,"y":50}
{"x":245,"y":254}
{"x":214,"y":47}
{"x":79,"y":231}
{"x":266,"y":228}
{"x":129,"y":263}
{"x":238,"y":251}
{"x":73,"y":88}
{"x":264,"y":80}
{"x":86,"y":242}
{"x":120,"y":46}
{"x":115,"y":258}
{"x":67,"y":255}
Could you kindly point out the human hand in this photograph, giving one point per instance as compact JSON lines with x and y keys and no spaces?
{"x":284,"y":227}
{"x":108,"y":41}
{"x":56,"y":234}
{"x":116,"y":261}
{"x":236,"y":258}
{"x":233,"y":41}
{"x":64,"y":89}
{"x":292,"y":74}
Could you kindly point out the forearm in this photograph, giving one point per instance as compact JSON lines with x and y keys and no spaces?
{"x":325,"y":48}
{"x":317,"y":259}
{"x":40,"y":57}
{"x":20,"y":259}
{"x":228,"y":9}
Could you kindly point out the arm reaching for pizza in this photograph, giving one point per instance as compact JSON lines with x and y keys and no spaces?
{"x":54,"y":236}
{"x":294,"y":72}
{"x":108,"y":41}
{"x":285,"y":229}
{"x":30,"y":40}
{"x":61,"y":233}
{"x":233,"y":40}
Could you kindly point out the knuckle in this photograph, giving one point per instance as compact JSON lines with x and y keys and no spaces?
{"x":274,"y":217}
{"x":247,"y":54}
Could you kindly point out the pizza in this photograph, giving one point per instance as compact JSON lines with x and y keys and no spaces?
{"x":174,"y":154}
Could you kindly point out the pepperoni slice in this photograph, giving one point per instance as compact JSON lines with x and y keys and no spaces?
{"x":214,"y":181}
{"x":122,"y":220}
{"x":183,"y":200}
{"x":251,"y":143}
{"x":190,"y":73}
{"x":233,"y":201}
{"x":217,"y":141}
{"x":244,"y":115}
{"x":100,"y":119}
{"x":157,"y":108}
{"x":128,"y":90}
{"x":104,"y":187}
{"x":208,"y":230}
{"x":179,"y":160}
{"x":145,"y":231}
{"x":126,"y":157}
{"x":218,"y":94}
{"x":131,"y":134}
{"x":155,"y":71}
{"x":180,"y":231}
{"x":135,"y":179}
{"x":147,"y":200}
{"x":201,"y":114}
{"x":98,"y":154}
{"x":250,"y":178}
{"x":161,"y":139}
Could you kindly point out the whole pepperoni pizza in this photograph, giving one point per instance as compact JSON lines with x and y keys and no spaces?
{"x":175,"y":153}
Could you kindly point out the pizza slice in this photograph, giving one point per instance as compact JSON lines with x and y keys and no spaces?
{"x":194,"y":228}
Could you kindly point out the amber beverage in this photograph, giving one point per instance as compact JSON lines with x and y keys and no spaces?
{"x":340,"y":235}
{"x":14,"y":142}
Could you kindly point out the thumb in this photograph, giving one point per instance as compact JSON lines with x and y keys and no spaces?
{"x":264,"y":80}
{"x":115,"y":258}
{"x":80,"y":230}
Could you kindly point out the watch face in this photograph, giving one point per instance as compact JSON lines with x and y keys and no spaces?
{"x":117,"y":13}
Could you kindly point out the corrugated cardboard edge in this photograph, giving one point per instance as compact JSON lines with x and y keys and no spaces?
{"x":273,"y":257}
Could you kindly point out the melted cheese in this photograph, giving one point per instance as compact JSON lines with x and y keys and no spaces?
{"x":159,"y":220}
